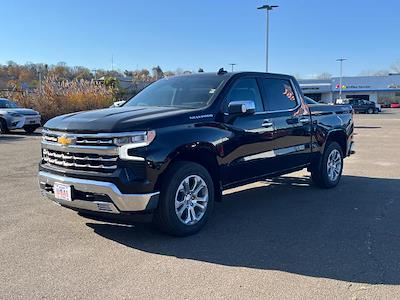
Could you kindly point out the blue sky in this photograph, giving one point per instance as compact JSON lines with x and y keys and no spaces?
{"x":306,"y":35}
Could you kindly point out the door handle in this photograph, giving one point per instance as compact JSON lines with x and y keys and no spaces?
{"x":292,"y":120}
{"x":267,"y":123}
{"x":305,"y":120}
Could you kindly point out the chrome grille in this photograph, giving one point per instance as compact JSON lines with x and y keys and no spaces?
{"x":50,"y":137}
{"x":90,"y":141}
{"x":96,"y":152}
{"x":80,"y":161}
{"x":81,"y":139}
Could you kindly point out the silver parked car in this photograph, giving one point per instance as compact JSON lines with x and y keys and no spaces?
{"x":14,"y":117}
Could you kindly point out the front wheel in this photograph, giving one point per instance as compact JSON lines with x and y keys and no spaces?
{"x":370,"y":111}
{"x":186,"y":199}
{"x":3,"y":126}
{"x":328,"y":172}
{"x":30,"y":129}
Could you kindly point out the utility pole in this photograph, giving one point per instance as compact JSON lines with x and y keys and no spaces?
{"x":267,"y":8}
{"x":341,"y":60}
{"x":112,"y":62}
{"x":232,"y":66}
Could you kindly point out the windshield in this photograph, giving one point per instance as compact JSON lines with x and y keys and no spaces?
{"x":180,"y":91}
{"x":4,"y":103}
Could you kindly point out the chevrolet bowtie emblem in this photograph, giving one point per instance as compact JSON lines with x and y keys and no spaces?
{"x":65,"y":141}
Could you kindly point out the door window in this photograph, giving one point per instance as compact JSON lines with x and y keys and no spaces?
{"x":278,"y":94}
{"x":245,"y":89}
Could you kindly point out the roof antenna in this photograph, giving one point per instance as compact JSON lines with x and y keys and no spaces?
{"x":221,"y":71}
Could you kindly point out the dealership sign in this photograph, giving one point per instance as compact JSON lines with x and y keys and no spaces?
{"x":353,"y":86}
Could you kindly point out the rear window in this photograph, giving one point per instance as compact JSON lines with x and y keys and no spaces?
{"x":278,"y":94}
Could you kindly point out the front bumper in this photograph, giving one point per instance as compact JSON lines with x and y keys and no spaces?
{"x":352,"y":149}
{"x":15,"y":122}
{"x":111,"y":199}
{"x":34,"y":120}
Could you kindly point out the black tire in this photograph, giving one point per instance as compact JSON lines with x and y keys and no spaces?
{"x":165,"y":217}
{"x":370,"y":111}
{"x":3,"y":126}
{"x":319,"y":173}
{"x":30,"y":129}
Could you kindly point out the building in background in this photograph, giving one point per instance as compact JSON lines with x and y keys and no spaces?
{"x":379,"y":89}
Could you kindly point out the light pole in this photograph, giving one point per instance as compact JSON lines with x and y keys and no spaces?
{"x":232,"y":65}
{"x":341,"y":60}
{"x":95,"y":73}
{"x":40,"y":79}
{"x":267,"y":8}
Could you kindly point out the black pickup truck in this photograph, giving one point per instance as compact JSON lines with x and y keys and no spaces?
{"x":172,"y":149}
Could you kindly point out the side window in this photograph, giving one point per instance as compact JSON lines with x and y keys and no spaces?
{"x":278,"y":94}
{"x":245,"y":89}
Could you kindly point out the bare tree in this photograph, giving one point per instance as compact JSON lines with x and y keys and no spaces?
{"x":374,"y":73}
{"x":324,"y":75}
{"x":395,"y":67}
{"x":157,"y":73}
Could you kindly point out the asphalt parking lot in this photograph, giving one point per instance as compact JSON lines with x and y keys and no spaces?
{"x":283,"y":239}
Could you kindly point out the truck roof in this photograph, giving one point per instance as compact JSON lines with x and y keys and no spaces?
{"x":228,"y":75}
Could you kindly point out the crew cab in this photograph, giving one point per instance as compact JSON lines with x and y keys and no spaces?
{"x":172,"y":149}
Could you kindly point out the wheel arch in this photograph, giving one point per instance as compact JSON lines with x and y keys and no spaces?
{"x":338,"y":136}
{"x":202,"y":153}
{"x":4,"y":122}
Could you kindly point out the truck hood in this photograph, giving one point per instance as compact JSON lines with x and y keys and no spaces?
{"x":21,"y":111}
{"x":121,"y":119}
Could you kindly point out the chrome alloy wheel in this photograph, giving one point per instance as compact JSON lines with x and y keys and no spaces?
{"x":191,"y":200}
{"x":334,"y":165}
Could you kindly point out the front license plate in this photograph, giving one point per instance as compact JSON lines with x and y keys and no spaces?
{"x":32,"y":122}
{"x":62,"y":191}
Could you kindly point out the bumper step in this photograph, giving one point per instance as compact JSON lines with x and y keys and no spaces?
{"x":120,"y":202}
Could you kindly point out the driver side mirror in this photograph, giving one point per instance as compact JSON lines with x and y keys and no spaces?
{"x":241,"y":107}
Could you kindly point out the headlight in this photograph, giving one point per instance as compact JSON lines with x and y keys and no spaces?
{"x":137,"y":139}
{"x":134,"y":140}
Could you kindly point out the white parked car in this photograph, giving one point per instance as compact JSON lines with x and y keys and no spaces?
{"x":118,"y":104}
{"x":13,"y":117}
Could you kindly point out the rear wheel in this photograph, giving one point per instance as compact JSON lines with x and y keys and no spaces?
{"x":3,"y":126}
{"x":186,"y":199}
{"x":328,"y":172}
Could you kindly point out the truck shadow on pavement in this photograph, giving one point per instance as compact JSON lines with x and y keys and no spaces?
{"x":18,"y":135}
{"x":350,"y":233}
{"x":7,"y":138}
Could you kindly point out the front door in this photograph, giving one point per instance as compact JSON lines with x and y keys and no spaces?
{"x":251,"y":141}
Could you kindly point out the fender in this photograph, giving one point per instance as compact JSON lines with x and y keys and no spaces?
{"x":339,"y":132}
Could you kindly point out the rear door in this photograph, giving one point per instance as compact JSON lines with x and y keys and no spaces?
{"x":285,"y":108}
